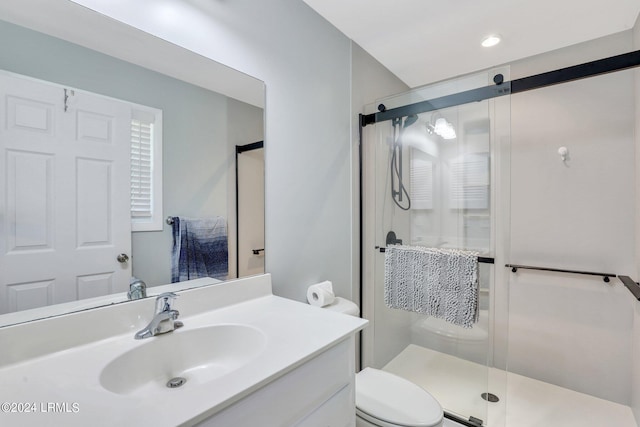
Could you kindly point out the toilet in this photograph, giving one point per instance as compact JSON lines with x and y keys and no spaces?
{"x":387,"y":400}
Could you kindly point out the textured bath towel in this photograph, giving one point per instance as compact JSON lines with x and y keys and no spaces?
{"x":199,"y":249}
{"x":441,"y":283}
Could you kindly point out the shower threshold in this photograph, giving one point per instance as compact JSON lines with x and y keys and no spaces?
{"x":523,"y":402}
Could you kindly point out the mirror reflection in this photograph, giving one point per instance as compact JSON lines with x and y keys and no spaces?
{"x":110,"y":169}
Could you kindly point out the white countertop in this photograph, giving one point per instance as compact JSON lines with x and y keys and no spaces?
{"x":295,"y":333}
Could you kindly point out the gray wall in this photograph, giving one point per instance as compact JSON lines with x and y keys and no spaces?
{"x":306,"y":66}
{"x":635,"y":379}
{"x":370,"y":81}
{"x":198,"y":130}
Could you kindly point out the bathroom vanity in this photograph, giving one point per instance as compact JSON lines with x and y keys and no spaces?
{"x":244,"y":357}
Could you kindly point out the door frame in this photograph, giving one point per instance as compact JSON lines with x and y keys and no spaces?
{"x":239,"y":150}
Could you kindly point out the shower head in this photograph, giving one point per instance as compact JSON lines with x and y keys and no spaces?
{"x":410,"y":120}
{"x":443,"y":128}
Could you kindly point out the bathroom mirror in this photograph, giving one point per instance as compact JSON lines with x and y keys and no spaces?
{"x":202,"y":109}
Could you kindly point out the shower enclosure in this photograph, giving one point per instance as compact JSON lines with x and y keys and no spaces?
{"x":540,"y":183}
{"x":434,"y":176}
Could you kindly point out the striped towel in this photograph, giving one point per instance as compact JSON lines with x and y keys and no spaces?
{"x":442,"y":283}
{"x":199,"y":249}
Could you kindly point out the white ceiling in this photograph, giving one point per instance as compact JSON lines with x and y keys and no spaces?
{"x":424,"y":41}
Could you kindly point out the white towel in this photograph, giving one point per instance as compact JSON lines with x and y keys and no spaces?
{"x":437,"y":282}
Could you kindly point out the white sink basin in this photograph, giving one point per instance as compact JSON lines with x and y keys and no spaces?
{"x":198,"y":355}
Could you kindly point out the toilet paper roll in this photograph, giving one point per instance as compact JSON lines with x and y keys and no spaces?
{"x":321,"y":294}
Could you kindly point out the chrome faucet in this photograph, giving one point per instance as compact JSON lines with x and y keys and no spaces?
{"x":164,"y":319}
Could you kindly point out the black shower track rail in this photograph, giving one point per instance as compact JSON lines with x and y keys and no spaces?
{"x":502,"y":88}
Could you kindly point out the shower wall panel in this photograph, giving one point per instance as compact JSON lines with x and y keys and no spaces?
{"x":577,"y":213}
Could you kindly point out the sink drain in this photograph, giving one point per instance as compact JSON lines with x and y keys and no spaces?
{"x":176,"y":382}
{"x":490,"y":397}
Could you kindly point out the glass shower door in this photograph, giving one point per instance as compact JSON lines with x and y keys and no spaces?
{"x":434,"y":187}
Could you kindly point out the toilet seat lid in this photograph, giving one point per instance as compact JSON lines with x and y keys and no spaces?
{"x":397,"y":401}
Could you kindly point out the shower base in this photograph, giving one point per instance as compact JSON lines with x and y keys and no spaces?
{"x":524,"y":402}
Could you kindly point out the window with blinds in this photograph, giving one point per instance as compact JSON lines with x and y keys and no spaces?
{"x":146,"y":170}
{"x":421,"y":180}
{"x":470,"y":179}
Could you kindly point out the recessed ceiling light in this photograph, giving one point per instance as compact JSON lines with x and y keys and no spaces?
{"x":491,"y":40}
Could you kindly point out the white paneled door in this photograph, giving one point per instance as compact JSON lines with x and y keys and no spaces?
{"x":64,"y":194}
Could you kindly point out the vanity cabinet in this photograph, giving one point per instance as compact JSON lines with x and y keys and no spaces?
{"x":320,"y":392}
{"x":251,"y":359}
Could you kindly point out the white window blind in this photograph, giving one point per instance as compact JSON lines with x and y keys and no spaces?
{"x":470,"y":182}
{"x":141,"y":169}
{"x":421,"y":174}
{"x":146,"y":184}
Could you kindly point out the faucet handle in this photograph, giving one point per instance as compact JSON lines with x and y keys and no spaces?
{"x":164,"y":302}
{"x":137,"y":289}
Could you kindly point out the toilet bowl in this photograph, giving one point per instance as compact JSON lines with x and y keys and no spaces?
{"x":387,"y":400}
